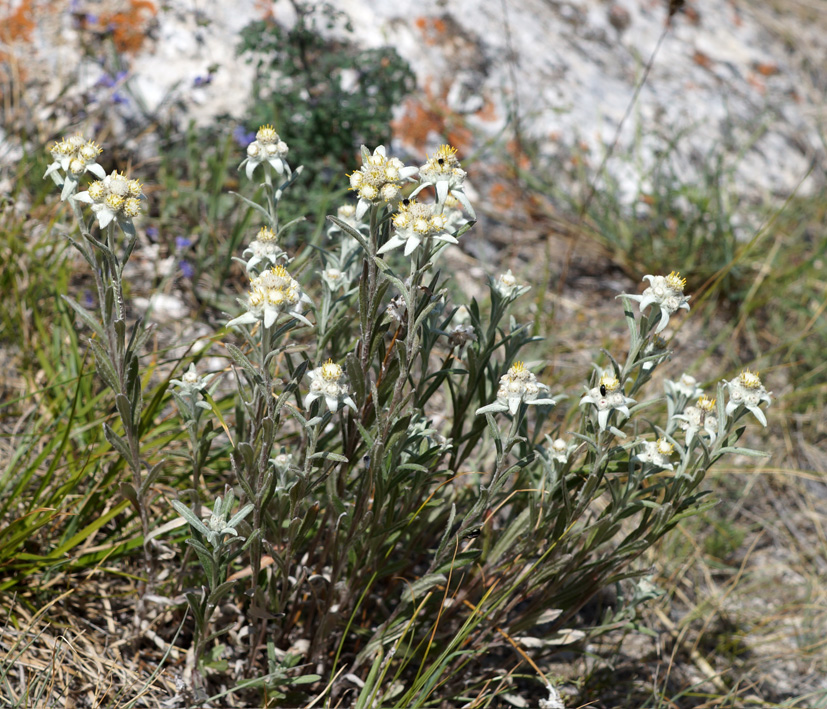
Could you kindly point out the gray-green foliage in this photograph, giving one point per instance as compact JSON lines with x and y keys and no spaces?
{"x":401,"y":496}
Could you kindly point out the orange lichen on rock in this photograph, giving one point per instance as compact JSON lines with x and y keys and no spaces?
{"x":433,"y":29}
{"x":129,"y":26}
{"x":16,"y":24}
{"x":421,"y":117}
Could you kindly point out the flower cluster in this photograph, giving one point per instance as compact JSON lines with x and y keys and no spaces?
{"x":560,"y":449}
{"x":508,"y":287}
{"x":74,"y":156}
{"x":273,"y":293}
{"x":379,"y":180}
{"x":667,"y":293}
{"x":656,"y":453}
{"x":267,"y":148}
{"x":114,"y":198}
{"x":414,"y":222}
{"x":517,"y":386}
{"x":607,"y":396}
{"x":328,"y":382}
{"x":748,"y":391}
{"x":699,"y":420}
{"x":444,"y":174}
{"x":263,"y":249}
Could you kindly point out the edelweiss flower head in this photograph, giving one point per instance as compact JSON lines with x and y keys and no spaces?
{"x":263,"y":249}
{"x":508,"y":287}
{"x":275,"y":292}
{"x":607,"y":396}
{"x":656,"y":453}
{"x":518,"y":386}
{"x":560,"y":449}
{"x":268,"y":149}
{"x":667,"y":293}
{"x":333,"y":278}
{"x":413,"y":223}
{"x":444,"y":174}
{"x":328,"y":381}
{"x":748,"y":391}
{"x":190,"y":382}
{"x":686,"y":387}
{"x":74,"y":156}
{"x":115,"y":197}
{"x":379,"y":180}
{"x":699,"y":420}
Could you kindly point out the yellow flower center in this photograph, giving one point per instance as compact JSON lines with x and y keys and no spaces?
{"x":750,"y":380}
{"x":705,"y":404}
{"x":675,"y":282}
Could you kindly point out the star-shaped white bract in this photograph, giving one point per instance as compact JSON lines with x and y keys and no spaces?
{"x":518,"y":386}
{"x":413,"y":223}
{"x":114,"y":198}
{"x":699,"y":420}
{"x":275,"y":292}
{"x":444,"y":174}
{"x":379,"y":180}
{"x":667,"y":293}
{"x":656,"y":453}
{"x":606,"y":397}
{"x":686,"y":387}
{"x":328,"y":382}
{"x":74,"y":156}
{"x":267,"y":149}
{"x":748,"y":391}
{"x":263,"y":249}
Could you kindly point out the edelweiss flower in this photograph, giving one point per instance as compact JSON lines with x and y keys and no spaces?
{"x":748,"y":391}
{"x":328,"y":381}
{"x":263,"y":249}
{"x":273,"y":293}
{"x":74,"y":156}
{"x":266,"y":148}
{"x":114,"y":198}
{"x":699,"y":419}
{"x":508,"y":287}
{"x":379,"y":180}
{"x":413,"y":223}
{"x":333,"y":278}
{"x":607,"y":397}
{"x":444,"y":174}
{"x":686,"y":387}
{"x":560,"y":450}
{"x":517,"y":386}
{"x":190,"y":382}
{"x":656,"y":453}
{"x":554,"y":701}
{"x":667,"y":293}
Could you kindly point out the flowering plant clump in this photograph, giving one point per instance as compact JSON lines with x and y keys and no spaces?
{"x":389,"y":451}
{"x":667,"y":293}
